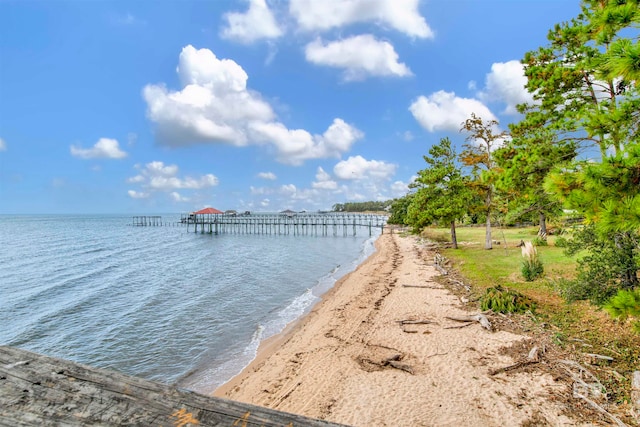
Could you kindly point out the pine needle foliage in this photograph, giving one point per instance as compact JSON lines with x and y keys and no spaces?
{"x":503,"y":300}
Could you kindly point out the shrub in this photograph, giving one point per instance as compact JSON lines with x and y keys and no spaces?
{"x":531,"y":266}
{"x":539,"y":241}
{"x":503,"y":300}
{"x":624,"y":305}
{"x":532,"y":269}
{"x":607,"y":264}
{"x":561,"y":242}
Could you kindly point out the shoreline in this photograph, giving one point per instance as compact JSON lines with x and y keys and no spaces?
{"x":333,"y":363}
{"x":269,"y":346}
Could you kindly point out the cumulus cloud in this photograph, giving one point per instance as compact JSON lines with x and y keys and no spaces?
{"x":323,"y":181}
{"x":105,"y":148}
{"x":156,"y":176}
{"x":446,"y":111}
{"x":359,"y":56}
{"x":357,"y":168}
{"x":401,"y":15}
{"x":506,"y":83}
{"x":257,"y":23}
{"x":3,"y":145}
{"x":297,"y":145}
{"x":267,"y":175}
{"x":215,"y":106}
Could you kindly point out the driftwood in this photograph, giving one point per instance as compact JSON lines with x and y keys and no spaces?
{"x":394,"y":362}
{"x":587,"y":385}
{"x":480,"y":318}
{"x":459,"y":326}
{"x":403,"y":323}
{"x":416,"y":322}
{"x":532,"y":358}
{"x":438,"y":262}
{"x":422,"y":286}
{"x":635,"y":394}
{"x":36,"y":390}
{"x":599,"y":357}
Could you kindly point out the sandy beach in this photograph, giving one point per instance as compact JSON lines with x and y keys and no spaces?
{"x":352,"y":361}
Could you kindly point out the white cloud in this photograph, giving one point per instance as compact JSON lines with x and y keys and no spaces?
{"x":360,"y":56}
{"x":401,"y":15}
{"x":267,"y":175}
{"x":323,"y":181}
{"x":105,"y":148}
{"x":399,"y":188}
{"x":506,"y":83}
{"x":156,"y":176}
{"x":357,"y":168}
{"x":297,"y":145}
{"x":215,"y":106}
{"x":446,"y":111}
{"x":137,"y":194}
{"x":3,"y":145}
{"x":257,"y":23}
{"x":178,"y":198}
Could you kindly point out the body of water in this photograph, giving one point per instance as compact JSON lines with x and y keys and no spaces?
{"x":159,"y":302}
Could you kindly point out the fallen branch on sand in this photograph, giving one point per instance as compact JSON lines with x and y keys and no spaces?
{"x":459,"y":326}
{"x":480,"y":318}
{"x":394,"y":363}
{"x":439,"y":261}
{"x":532,"y":358}
{"x":413,"y":322}
{"x":422,"y":286}
{"x":591,"y":387}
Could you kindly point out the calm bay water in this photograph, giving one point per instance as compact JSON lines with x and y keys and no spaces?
{"x":158,"y":302}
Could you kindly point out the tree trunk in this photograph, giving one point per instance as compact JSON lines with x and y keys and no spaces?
{"x":543,"y":226}
{"x":488,"y":243}
{"x":625,"y":242}
{"x":454,"y":239}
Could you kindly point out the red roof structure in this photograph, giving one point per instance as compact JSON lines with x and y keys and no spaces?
{"x":208,"y":211}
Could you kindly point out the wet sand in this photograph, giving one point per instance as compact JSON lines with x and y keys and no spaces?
{"x":333,"y":363}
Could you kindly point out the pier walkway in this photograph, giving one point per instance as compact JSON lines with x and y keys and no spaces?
{"x":314,"y":224}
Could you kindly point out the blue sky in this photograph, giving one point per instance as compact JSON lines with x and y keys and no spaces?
{"x":262,"y":105}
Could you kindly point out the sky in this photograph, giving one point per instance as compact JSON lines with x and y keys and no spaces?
{"x":143,"y":107}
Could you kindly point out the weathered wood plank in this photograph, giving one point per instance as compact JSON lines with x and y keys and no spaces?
{"x":37,"y":390}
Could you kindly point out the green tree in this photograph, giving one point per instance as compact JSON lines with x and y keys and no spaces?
{"x":522,"y":165}
{"x":586,"y":87}
{"x":398,"y":211}
{"x":482,"y":139}
{"x":442,"y":194}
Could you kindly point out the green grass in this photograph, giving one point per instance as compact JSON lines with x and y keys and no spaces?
{"x":570,"y":323}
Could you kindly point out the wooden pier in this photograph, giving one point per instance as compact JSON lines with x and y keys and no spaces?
{"x":37,"y":390}
{"x":147,"y":221}
{"x":335,"y":224}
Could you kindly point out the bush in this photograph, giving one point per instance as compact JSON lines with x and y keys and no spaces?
{"x":503,"y":300}
{"x":539,"y":241}
{"x":608,"y":264}
{"x":532,"y":269}
{"x":624,"y":305}
{"x":561,"y":242}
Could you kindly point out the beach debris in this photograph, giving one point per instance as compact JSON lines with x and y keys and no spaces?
{"x":394,"y":362}
{"x":405,"y":322}
{"x":480,"y":318}
{"x":532,"y":357}
{"x":439,"y":261}
{"x":587,"y":387}
{"x":422,"y":286}
{"x":635,"y":395}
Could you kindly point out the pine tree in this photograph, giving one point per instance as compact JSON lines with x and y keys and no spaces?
{"x":442,"y":194}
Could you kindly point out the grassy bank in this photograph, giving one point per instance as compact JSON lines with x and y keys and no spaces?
{"x":577,"y":329}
